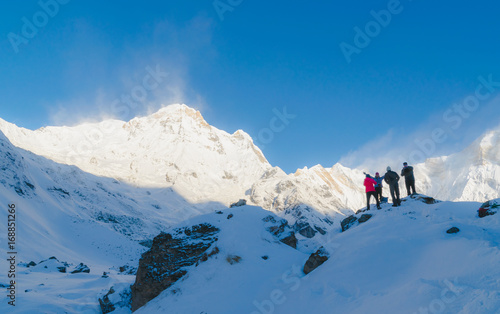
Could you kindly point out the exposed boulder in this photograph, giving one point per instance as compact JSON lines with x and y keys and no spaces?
{"x":353,"y":220}
{"x":348,"y":222}
{"x":81,"y":268}
{"x":424,"y":199}
{"x":239,"y":203}
{"x":453,"y":230}
{"x":320,"y":230}
{"x":233,"y":259}
{"x":281,"y":230}
{"x":315,"y":260}
{"x":290,"y":240}
{"x":116,"y":299}
{"x":106,"y":305}
{"x":308,"y":232}
{"x":167,"y":260}
{"x":364,"y":218}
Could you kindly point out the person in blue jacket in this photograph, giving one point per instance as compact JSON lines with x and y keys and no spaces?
{"x":378,"y":186}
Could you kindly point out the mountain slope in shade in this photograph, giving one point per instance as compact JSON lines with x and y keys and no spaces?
{"x":400,"y":261}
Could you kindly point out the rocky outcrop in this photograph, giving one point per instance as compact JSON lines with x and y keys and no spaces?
{"x":453,"y":230}
{"x":348,"y":222}
{"x":239,"y":203}
{"x":424,"y":199}
{"x":352,"y":220}
{"x":364,"y":218}
{"x":290,"y":240}
{"x":81,"y":268}
{"x":308,"y":232}
{"x":169,"y":258}
{"x":315,"y":260}
{"x":281,"y":230}
{"x":106,"y":305}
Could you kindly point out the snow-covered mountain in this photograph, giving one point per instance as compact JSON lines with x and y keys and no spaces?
{"x":470,"y":175}
{"x":176,"y":148}
{"x":97,"y":194}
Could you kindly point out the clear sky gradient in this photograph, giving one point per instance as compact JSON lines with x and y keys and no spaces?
{"x":241,"y":61}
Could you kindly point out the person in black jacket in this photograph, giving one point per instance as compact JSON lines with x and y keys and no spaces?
{"x":392,"y":179}
{"x":407,"y":172}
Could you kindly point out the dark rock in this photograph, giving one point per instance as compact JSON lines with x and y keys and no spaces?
{"x":348,"y":222}
{"x":127,"y":269}
{"x":239,"y":203}
{"x":320,"y":230}
{"x":218,"y":212}
{"x":31,"y":264}
{"x":424,"y":199}
{"x":315,"y":260}
{"x":105,"y":303}
{"x":230,"y":216}
{"x":279,"y":229}
{"x":81,"y":268}
{"x":104,"y":275}
{"x":308,"y":232}
{"x":453,"y":230}
{"x":364,"y":218}
{"x":269,"y":219}
{"x":61,"y":269}
{"x":233,"y":259}
{"x":265,"y":257}
{"x":290,"y":240}
{"x":168,"y":259}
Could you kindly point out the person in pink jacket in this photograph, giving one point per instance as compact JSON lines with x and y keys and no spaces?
{"x":370,"y":191}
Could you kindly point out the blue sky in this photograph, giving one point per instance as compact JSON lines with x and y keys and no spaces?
{"x":263,"y":56}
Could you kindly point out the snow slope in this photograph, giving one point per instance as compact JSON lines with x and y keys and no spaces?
{"x":78,"y":218}
{"x":400,"y":261}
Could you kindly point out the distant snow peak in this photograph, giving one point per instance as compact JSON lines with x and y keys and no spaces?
{"x":180,"y":110}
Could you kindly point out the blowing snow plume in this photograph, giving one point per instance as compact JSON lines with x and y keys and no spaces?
{"x":139,"y":81}
{"x":446,"y":132}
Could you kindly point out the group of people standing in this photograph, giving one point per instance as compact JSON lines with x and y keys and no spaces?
{"x":374,"y":185}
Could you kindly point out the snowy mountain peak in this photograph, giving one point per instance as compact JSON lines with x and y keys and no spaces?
{"x":179,"y":112}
